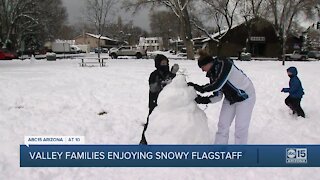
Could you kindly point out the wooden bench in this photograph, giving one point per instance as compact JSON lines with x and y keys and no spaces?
{"x":100,"y":62}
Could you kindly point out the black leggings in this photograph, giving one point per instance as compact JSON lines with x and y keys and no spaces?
{"x":294,"y":105}
{"x":143,"y":137}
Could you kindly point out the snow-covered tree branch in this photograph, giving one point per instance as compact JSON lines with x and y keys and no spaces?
{"x":284,"y":14}
{"x":25,"y":19}
{"x":180,"y":8}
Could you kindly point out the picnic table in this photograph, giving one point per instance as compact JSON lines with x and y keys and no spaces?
{"x":86,"y":61}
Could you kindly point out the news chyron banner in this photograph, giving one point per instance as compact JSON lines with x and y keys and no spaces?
{"x":72,"y":152}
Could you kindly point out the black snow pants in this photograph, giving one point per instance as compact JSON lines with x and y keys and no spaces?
{"x":294,"y":105}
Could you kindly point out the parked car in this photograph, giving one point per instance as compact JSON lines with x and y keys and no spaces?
{"x":101,"y":50}
{"x":296,"y":55}
{"x":6,"y":55}
{"x":245,"y":56}
{"x":314,"y":54}
{"x":127,"y":51}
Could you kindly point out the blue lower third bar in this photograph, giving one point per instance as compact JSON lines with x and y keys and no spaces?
{"x":170,"y":156}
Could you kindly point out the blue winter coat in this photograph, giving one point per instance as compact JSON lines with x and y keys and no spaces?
{"x":295,"y":88}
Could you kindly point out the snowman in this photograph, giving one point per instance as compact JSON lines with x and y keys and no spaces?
{"x":177,"y":119}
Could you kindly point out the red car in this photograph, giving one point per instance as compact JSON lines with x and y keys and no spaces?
{"x":6,"y":55}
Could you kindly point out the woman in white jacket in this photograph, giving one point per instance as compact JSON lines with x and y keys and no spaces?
{"x":226,"y":79}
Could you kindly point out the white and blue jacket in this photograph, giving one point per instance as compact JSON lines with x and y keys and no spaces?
{"x":225,"y":77}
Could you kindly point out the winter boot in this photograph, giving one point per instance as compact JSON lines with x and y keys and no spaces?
{"x":302,"y":115}
{"x":143,"y":141}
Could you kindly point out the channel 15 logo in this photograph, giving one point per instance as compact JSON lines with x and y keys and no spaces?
{"x":297,"y":155}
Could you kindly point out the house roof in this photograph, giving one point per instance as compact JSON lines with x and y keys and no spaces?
{"x":151,"y":38}
{"x":217,"y":34}
{"x":175,"y":40}
{"x":180,"y":40}
{"x":102,"y":37}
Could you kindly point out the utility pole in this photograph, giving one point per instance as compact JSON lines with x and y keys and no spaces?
{"x":99,"y":47}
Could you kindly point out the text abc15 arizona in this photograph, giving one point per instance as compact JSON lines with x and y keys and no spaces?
{"x":296,"y":155}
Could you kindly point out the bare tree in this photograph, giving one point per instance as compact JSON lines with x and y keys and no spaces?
{"x":180,"y":9}
{"x":122,"y":31}
{"x":223,"y":14}
{"x":312,"y":39}
{"x":30,"y":21}
{"x":284,"y":13}
{"x":98,"y":12}
{"x":249,"y":10}
{"x":253,"y":8}
{"x":53,"y":17}
{"x":166,"y":25}
{"x":12,"y":13}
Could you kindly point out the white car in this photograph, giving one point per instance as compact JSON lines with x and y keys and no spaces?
{"x":127,"y":51}
{"x":296,"y":55}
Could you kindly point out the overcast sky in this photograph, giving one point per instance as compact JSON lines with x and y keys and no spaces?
{"x":75,"y":10}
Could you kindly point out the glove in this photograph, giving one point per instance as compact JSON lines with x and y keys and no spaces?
{"x":282,"y":90}
{"x":166,"y":82}
{"x":217,"y":93}
{"x":196,"y":87}
{"x":175,"y":69}
{"x":285,"y":90}
{"x":202,"y":100}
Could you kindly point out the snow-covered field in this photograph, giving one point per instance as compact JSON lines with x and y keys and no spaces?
{"x":61,"y":98}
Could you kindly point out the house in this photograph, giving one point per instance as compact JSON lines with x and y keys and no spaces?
{"x":151,"y":43}
{"x":198,"y":42}
{"x":179,"y":46}
{"x":93,"y":41}
{"x":257,"y":35}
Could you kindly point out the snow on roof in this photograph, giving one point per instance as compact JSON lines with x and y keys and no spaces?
{"x":175,"y":40}
{"x":151,"y":38}
{"x":198,"y":38}
{"x":72,"y":42}
{"x":217,"y":34}
{"x":102,"y":37}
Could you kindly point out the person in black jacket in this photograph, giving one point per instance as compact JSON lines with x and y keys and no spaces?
{"x":158,"y":79}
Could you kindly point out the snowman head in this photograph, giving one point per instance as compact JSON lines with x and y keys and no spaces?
{"x":176,"y":94}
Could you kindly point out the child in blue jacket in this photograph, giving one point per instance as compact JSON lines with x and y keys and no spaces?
{"x":295,"y":91}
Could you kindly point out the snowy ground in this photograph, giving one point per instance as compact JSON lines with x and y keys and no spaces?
{"x":60,"y":98}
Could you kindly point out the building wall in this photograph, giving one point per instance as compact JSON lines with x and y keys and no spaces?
{"x":273,"y":50}
{"x":151,"y":43}
{"x":263,"y":41}
{"x":231,"y":49}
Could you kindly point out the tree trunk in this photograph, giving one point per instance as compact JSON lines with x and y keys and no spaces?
{"x":187,"y":38}
{"x":219,"y":48}
{"x":99,"y":48}
{"x":189,"y":46}
{"x":7,"y":39}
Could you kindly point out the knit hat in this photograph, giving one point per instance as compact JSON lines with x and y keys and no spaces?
{"x":204,"y":58}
